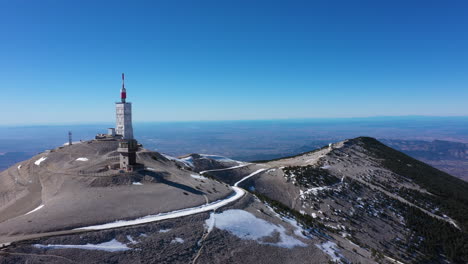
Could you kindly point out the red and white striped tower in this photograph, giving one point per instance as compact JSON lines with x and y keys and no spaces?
{"x":123,"y":91}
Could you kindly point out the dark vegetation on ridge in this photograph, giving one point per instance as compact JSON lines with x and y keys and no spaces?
{"x":451,"y":195}
{"x":453,"y":192}
{"x":431,"y":236}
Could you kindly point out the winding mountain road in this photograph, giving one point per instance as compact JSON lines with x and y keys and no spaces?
{"x":238,"y":193}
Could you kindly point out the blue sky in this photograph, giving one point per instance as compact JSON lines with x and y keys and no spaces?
{"x":60,"y":61}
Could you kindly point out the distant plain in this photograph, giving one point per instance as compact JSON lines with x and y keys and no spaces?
{"x":256,"y":140}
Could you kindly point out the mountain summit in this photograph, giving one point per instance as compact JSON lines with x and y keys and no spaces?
{"x":356,"y":201}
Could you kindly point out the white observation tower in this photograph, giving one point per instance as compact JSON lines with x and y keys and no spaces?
{"x":123,"y":112}
{"x":128,"y":146}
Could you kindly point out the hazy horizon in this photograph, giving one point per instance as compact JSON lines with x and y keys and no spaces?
{"x":357,"y":118}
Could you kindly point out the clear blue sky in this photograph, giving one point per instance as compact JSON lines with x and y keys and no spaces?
{"x":60,"y":61}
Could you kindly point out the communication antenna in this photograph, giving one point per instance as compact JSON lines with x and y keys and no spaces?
{"x":69,"y":137}
{"x":123,"y":91}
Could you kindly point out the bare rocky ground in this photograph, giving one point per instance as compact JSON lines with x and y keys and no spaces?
{"x":73,"y":187}
{"x":336,"y":204}
{"x":184,"y":240}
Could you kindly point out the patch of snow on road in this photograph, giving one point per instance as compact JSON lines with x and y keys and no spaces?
{"x":110,"y":246}
{"x":199,"y":177}
{"x":220,"y":158}
{"x":38,"y":162}
{"x":331,"y":250}
{"x":82,"y":159}
{"x":177,"y":240}
{"x":246,"y":226}
{"x":137,"y":183}
{"x":34,"y":210}
{"x":230,"y":168}
{"x":248,"y":176}
{"x":165,"y":230}
{"x":238,"y":193}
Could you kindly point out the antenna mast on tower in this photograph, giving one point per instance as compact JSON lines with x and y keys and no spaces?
{"x":123,"y":91}
{"x":69,"y":137}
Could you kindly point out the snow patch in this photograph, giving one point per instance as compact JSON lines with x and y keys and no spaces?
{"x":331,"y":250}
{"x":314,"y":191}
{"x":177,"y":240}
{"x":210,"y":223}
{"x":34,"y":210}
{"x":73,"y":143}
{"x":164,"y":230}
{"x":188,"y":161}
{"x":132,"y":241}
{"x":38,"y":162}
{"x":246,"y":226}
{"x":137,"y":183}
{"x":450,"y":220}
{"x":82,"y":159}
{"x":298,"y":230}
{"x":392,"y":260}
{"x":199,"y":177}
{"x":111,"y":246}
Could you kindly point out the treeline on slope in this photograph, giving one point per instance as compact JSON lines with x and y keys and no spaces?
{"x":439,"y":237}
{"x":452,"y":192}
{"x":310,"y":176}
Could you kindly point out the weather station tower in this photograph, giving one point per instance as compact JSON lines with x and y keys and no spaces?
{"x":128,"y":146}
